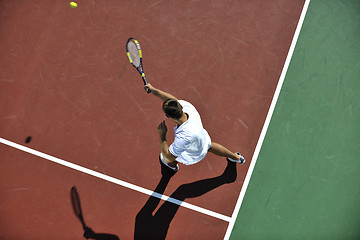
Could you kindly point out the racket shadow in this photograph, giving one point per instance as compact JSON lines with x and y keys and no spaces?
{"x":156,"y":226}
{"x":88,"y":232}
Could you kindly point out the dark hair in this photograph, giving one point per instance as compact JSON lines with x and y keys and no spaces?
{"x":172,"y":108}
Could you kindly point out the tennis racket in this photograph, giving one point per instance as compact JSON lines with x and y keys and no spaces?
{"x":75,"y":200}
{"x":134,"y":54}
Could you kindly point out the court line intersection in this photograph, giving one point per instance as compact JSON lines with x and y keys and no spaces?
{"x":231,"y":220}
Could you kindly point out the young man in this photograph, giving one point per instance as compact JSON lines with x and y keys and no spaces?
{"x":192,"y":142}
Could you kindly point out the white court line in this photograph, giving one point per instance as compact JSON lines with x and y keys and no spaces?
{"x":114,"y":180}
{"x":267,"y":121}
{"x":175,"y":201}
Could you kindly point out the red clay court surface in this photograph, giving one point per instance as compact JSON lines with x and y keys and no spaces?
{"x":65,"y":80}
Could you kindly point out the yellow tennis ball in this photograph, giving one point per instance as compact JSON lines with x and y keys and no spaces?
{"x":73,"y":4}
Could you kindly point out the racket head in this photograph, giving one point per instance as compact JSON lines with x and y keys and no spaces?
{"x":133,"y":51}
{"x":75,"y":201}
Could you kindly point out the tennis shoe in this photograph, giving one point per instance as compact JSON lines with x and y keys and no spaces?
{"x":241,"y":160}
{"x":175,"y":168}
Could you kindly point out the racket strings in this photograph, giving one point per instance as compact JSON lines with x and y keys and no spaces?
{"x":76,"y":202}
{"x":134,"y":54}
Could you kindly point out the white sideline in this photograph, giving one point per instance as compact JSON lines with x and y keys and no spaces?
{"x":267,"y":122}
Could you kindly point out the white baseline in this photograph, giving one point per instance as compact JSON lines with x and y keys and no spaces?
{"x":114,"y":180}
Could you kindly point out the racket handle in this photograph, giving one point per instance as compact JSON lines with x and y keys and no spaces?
{"x":145,"y":83}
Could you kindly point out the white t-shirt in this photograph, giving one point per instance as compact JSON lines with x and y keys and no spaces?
{"x":192,"y":141}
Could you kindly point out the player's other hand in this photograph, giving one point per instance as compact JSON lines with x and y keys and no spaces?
{"x":162,"y":130}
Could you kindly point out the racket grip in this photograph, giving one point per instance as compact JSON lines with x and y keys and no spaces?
{"x":145,"y":83}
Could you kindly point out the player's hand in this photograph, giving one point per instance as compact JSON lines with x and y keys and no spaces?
{"x":149,"y":88}
{"x":162,"y":130}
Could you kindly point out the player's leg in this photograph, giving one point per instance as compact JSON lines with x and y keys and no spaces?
{"x":222,"y":151}
{"x":173,"y":164}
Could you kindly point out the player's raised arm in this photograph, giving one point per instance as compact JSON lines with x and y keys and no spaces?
{"x":159,"y":93}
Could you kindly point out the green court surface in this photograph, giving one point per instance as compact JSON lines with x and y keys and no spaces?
{"x":306,"y":182}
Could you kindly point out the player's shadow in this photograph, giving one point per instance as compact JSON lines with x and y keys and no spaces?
{"x":155,"y":226}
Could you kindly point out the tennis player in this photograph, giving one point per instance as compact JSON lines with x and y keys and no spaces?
{"x":192,"y":141}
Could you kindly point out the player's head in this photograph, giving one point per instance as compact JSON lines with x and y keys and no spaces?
{"x":172,"y":108}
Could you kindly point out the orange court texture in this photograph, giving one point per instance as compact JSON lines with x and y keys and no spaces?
{"x":65,"y":81}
